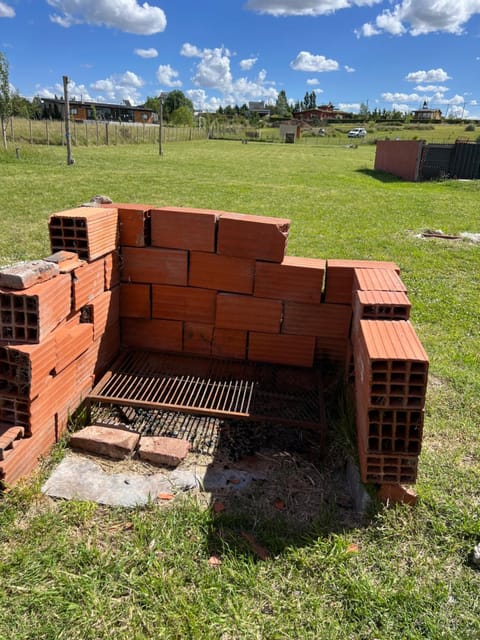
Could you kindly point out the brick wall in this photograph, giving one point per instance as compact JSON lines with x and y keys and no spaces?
{"x":211,"y":283}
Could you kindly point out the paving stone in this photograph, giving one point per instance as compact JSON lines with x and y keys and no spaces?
{"x":162,"y":450}
{"x":114,"y":443}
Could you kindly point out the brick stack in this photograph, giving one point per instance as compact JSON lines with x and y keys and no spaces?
{"x":56,"y":335}
{"x":204,"y":282}
{"x":390,"y":380}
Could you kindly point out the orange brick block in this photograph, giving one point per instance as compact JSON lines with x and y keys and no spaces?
{"x":71,"y":341}
{"x":112,"y":270}
{"x":329,"y":320}
{"x":297,"y":279}
{"x":339,"y":277}
{"x":377,"y":280}
{"x":295,"y":351}
{"x":21,"y":461}
{"x":103,"y":311}
{"x":229,"y":343}
{"x":253,"y":237}
{"x":155,"y":335}
{"x":135,"y":301}
{"x":223,"y":273}
{"x":197,"y":338}
{"x":152,"y":265}
{"x":88,"y":283}
{"x":248,"y":313}
{"x":29,"y":316}
{"x":184,"y":228}
{"x":133,"y":223}
{"x":89,"y":231}
{"x":24,"y":369}
{"x":183,"y":303}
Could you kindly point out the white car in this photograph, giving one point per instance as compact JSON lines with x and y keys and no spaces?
{"x":359,"y":132}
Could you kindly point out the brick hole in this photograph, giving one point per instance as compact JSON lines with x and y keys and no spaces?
{"x":373,"y":443}
{"x":7,"y":317}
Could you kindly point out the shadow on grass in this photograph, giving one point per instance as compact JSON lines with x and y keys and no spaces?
{"x":381,"y":176}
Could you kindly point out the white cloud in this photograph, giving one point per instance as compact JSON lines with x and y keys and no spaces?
{"x":455,"y":100}
{"x":432,"y":75}
{"x":146,"y":53}
{"x":313,"y":82}
{"x":213,"y":71}
{"x":402,"y":97}
{"x":125,"y":15}
{"x":418,"y":17}
{"x":349,"y":69}
{"x":353,"y":107}
{"x":402,"y":108}
{"x":248,"y":63}
{"x":367,"y":30}
{"x":6,"y":11}
{"x":119,"y":87}
{"x":429,"y":88}
{"x":166,"y":76}
{"x":201,"y":102}
{"x":306,"y":61}
{"x":304,"y":7}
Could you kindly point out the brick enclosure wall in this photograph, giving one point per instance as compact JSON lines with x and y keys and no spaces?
{"x":210,"y":283}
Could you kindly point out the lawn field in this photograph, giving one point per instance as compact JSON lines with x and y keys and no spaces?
{"x":75,"y":570}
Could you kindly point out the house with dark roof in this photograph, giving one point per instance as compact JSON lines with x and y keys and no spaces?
{"x":54,"y":108}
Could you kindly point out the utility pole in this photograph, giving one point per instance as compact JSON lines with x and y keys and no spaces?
{"x":160,"y":148}
{"x":70,"y":160}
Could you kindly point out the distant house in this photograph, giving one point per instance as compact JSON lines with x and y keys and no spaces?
{"x":324,"y":112}
{"x":258,"y":107}
{"x":79,"y":110}
{"x":431,"y":115}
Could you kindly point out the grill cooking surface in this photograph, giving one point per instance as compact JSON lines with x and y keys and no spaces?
{"x":219,"y":388}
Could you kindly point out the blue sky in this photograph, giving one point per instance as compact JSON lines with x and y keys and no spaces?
{"x":389,"y":54}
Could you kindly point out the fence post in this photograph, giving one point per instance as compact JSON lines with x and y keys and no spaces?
{"x":107,"y":142}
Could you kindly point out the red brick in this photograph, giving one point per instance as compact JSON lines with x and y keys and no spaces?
{"x":254,"y":237}
{"x":248,"y":313}
{"x":322,"y":320}
{"x":23,"y":275}
{"x":229,"y":343}
{"x":377,"y":280}
{"x":29,"y":316}
{"x":112,"y":270}
{"x":396,"y":493}
{"x":387,"y":469}
{"x":223,"y":273}
{"x":114,"y":443}
{"x":88,"y":283}
{"x":15,"y":411}
{"x":197,"y":338}
{"x":160,"y":450}
{"x":184,"y":228}
{"x":155,"y":335}
{"x":339,"y":277}
{"x":22,"y":461}
{"x":24,"y":369}
{"x":105,"y":349}
{"x":183,"y":303}
{"x":66,"y":261}
{"x":297,"y":279}
{"x":154,"y":266}
{"x":134,"y":223}
{"x":381,"y":305}
{"x":103,"y":311}
{"x":387,"y":341}
{"x":89,"y":231}
{"x":135,"y":301}
{"x":71,"y":341}
{"x":9,"y":436}
{"x":296,"y":351}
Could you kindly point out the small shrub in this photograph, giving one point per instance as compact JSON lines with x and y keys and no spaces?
{"x":470,"y":127}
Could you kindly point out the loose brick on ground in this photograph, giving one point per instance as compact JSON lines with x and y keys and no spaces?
{"x":161,"y":450}
{"x":113,"y":443}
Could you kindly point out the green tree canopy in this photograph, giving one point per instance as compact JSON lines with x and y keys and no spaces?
{"x":173,"y":101}
{"x":5,"y":98}
{"x":182,"y":115}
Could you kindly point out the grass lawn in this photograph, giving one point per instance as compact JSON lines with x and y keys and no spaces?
{"x":75,"y":570}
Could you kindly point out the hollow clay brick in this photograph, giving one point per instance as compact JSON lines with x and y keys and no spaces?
{"x":150,"y":265}
{"x":223,"y":273}
{"x":380,"y":305}
{"x":112,"y":270}
{"x":184,"y":228}
{"x":396,"y":493}
{"x":71,"y":341}
{"x":322,"y":320}
{"x":248,"y":313}
{"x":229,"y":343}
{"x":296,"y":279}
{"x":281,"y":349}
{"x":88,"y":283}
{"x":133,"y":223}
{"x":197,"y":338}
{"x":183,"y":303}
{"x":23,"y":275}
{"x":135,"y":301}
{"x":377,"y":280}
{"x":29,"y":316}
{"x":103,"y":311}
{"x":89,"y":231}
{"x":156,"y":335}
{"x":254,"y":237}
{"x":21,"y":461}
{"x":339,"y":277}
{"x":24,"y":369}
{"x":66,"y":261}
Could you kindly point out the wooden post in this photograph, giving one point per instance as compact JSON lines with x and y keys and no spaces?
{"x":160,"y":147}
{"x":70,"y":160}
{"x":106,"y":134}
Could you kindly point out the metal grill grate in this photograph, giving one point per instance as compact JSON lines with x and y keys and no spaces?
{"x":219,"y":388}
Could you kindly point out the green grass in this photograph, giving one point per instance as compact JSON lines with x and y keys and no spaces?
{"x":75,"y":570}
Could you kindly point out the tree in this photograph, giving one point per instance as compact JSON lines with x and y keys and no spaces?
{"x":282,"y":108}
{"x":182,"y":115}
{"x":173,"y":101}
{"x":5,"y":98}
